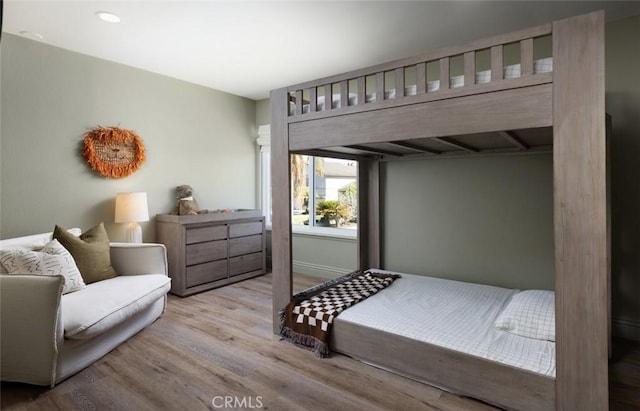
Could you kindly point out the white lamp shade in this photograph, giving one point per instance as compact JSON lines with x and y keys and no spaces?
{"x":131,"y":207}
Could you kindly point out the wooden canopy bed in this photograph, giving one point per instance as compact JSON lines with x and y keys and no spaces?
{"x":370,"y":120}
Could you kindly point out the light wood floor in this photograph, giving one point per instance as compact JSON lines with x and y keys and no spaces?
{"x":219,"y":345}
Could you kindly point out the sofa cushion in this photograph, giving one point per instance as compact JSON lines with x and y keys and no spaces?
{"x":52,"y":259}
{"x":90,"y":251}
{"x":104,"y":304}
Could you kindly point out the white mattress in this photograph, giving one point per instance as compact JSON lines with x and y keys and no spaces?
{"x":544,"y":65}
{"x":454,"y":315}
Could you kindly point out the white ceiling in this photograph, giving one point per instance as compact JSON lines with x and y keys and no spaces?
{"x":250,"y":47}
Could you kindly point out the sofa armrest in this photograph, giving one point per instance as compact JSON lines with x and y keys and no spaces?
{"x":30,"y":327}
{"x":139,"y":258}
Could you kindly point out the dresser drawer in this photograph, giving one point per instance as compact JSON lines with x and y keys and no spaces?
{"x":206,"y":273}
{"x":245,"y":263}
{"x":245,"y":245}
{"x":202,"y":234}
{"x":242,"y":229}
{"x":205,"y":252}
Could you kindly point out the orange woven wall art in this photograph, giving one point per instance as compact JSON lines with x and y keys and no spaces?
{"x":113,"y":152}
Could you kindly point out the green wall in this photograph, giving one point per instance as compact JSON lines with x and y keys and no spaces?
{"x":51,"y":97}
{"x":482,"y":219}
{"x":263,"y":112}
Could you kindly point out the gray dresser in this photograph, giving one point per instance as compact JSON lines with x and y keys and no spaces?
{"x":211,"y":250}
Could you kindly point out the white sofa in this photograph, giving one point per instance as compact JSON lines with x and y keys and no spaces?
{"x":46,"y":336}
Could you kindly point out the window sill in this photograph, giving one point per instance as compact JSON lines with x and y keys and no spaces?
{"x":326,"y":232}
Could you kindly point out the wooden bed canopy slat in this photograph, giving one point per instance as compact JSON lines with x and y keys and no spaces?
{"x":513,"y":139}
{"x":374,"y":150}
{"x":421,"y":78}
{"x":344,"y":93}
{"x":299,"y":98}
{"x":525,"y":114}
{"x":399,"y":77}
{"x":328,"y":92}
{"x":496,"y":63}
{"x":454,"y":144}
{"x":526,"y":57}
{"x":414,"y":147}
{"x":470,"y":68}
{"x":361,"y":85}
{"x":444,"y":73}
{"x":313,"y":99}
{"x":379,"y":87}
{"x":480,"y":153}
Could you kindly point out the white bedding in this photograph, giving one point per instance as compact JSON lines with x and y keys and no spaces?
{"x":544,"y":65}
{"x":454,"y":315}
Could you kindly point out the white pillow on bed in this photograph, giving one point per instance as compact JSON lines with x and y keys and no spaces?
{"x":530,"y":314}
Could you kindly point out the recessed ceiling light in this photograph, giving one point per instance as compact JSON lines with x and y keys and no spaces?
{"x":107,"y":16}
{"x":31,"y":34}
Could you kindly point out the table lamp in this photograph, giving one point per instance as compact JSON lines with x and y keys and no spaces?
{"x":132,"y":208}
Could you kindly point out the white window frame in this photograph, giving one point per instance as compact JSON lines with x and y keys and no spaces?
{"x":264,"y":143}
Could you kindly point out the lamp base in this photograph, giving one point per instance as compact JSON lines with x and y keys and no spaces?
{"x":134,"y":233}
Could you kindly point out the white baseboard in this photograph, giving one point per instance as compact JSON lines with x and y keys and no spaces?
{"x":318,"y":270}
{"x":627,"y":329}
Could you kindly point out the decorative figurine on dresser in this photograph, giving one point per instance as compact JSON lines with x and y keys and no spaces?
{"x":187,"y":205}
{"x":206,"y":251}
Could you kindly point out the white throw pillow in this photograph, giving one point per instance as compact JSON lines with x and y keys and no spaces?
{"x":52,"y":259}
{"x":530,"y":314}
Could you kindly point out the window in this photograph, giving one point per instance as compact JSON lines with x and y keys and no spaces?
{"x":324,"y":191}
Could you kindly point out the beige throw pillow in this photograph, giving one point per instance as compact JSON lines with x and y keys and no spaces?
{"x":91,"y":252}
{"x":52,"y":259}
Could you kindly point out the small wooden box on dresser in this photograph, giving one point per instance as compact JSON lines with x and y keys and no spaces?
{"x":211,"y":250}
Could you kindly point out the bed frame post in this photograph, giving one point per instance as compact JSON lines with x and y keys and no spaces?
{"x":368,"y":214}
{"x":281,"y":205}
{"x":580,"y":213}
